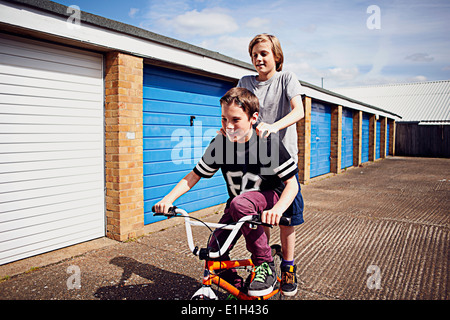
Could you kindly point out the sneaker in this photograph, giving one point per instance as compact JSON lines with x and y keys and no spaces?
{"x":289,"y":280}
{"x":264,"y":281}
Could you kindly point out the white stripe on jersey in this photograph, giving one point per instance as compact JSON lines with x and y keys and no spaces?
{"x":289,"y":164}
{"x":205,"y":169}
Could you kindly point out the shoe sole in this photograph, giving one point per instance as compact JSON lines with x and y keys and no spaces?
{"x":289,"y":293}
{"x":260,"y":293}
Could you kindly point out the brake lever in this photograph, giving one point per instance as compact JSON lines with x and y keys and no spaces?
{"x":256,"y":221}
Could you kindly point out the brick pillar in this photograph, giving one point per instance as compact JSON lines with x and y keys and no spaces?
{"x":383,"y":133}
{"x":304,"y":142}
{"x":372,"y":137}
{"x":336,"y":139}
{"x":123,"y":146}
{"x":392,"y":138}
{"x":357,"y":137}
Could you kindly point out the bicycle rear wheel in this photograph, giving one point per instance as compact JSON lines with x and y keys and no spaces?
{"x":277,"y":258}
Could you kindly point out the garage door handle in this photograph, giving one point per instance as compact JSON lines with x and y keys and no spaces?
{"x":192,"y":120}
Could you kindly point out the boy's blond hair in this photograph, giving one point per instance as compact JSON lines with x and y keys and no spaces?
{"x":276,"y":48}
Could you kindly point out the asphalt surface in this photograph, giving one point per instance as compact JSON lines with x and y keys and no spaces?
{"x":377,"y":232}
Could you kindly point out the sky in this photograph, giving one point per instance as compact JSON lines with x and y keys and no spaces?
{"x":342,"y":43}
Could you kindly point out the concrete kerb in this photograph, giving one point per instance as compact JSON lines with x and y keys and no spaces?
{"x":52,"y":257}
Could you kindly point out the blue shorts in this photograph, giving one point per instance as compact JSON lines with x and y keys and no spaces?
{"x":295,"y":211}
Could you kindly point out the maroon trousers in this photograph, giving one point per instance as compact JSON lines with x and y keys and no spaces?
{"x":248,"y":203}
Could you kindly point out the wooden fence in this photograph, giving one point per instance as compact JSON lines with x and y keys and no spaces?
{"x":417,"y":140}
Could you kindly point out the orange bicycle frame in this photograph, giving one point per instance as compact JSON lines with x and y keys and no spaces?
{"x":211,"y":266}
{"x":211,"y":277}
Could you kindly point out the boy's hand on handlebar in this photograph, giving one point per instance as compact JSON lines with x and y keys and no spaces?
{"x":162,"y":207}
{"x":270,"y":217}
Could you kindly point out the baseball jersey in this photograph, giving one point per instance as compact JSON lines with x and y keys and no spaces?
{"x":257,"y":165}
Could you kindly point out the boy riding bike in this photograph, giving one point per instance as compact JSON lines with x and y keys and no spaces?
{"x":260,"y":177}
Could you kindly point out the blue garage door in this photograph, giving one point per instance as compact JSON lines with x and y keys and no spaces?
{"x":320,"y":139}
{"x":387,"y":139}
{"x":347,"y":139}
{"x":181,"y":115}
{"x":365,"y":138}
{"x":378,"y":140}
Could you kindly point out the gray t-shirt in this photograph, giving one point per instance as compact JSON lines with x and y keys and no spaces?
{"x":275,"y":97}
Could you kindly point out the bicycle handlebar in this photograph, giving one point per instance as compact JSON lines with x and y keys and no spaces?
{"x":234,"y":228}
{"x":169,"y":214}
{"x":256,"y":219}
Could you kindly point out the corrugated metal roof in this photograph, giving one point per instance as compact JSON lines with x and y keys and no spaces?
{"x":421,"y":101}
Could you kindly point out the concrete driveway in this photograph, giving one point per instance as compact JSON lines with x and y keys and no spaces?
{"x":380,"y":231}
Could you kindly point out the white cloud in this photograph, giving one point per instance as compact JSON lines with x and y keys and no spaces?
{"x":418,"y":79}
{"x":420,"y":57}
{"x":303,"y":70}
{"x":257,"y":23}
{"x":343,"y":74}
{"x":208,"y":22}
{"x":165,"y":9}
{"x":236,"y":47}
{"x":325,"y":40}
{"x":303,"y":55}
{"x":336,"y":76}
{"x":132,"y":12}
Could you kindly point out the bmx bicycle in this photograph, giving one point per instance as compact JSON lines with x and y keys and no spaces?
{"x":214,"y":267}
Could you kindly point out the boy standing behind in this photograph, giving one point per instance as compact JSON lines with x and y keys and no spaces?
{"x":279,"y":93}
{"x":260,"y":177}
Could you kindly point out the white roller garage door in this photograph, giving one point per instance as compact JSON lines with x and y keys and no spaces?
{"x":51,"y":147}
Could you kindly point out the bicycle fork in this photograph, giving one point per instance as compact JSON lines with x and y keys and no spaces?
{"x":210,"y":277}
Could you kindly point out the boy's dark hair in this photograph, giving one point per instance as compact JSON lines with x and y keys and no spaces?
{"x":242,"y":98}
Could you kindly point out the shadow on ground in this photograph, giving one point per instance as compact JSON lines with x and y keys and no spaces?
{"x":160,"y":284}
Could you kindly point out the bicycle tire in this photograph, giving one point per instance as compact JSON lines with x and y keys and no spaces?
{"x":200,"y":297}
{"x":277,"y":258}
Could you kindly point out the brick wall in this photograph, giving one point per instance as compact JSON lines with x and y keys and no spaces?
{"x":304,"y":142}
{"x":372,"y":137}
{"x":123,"y":146}
{"x":336,"y":139}
{"x":392,"y":132}
{"x":357,"y":137}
